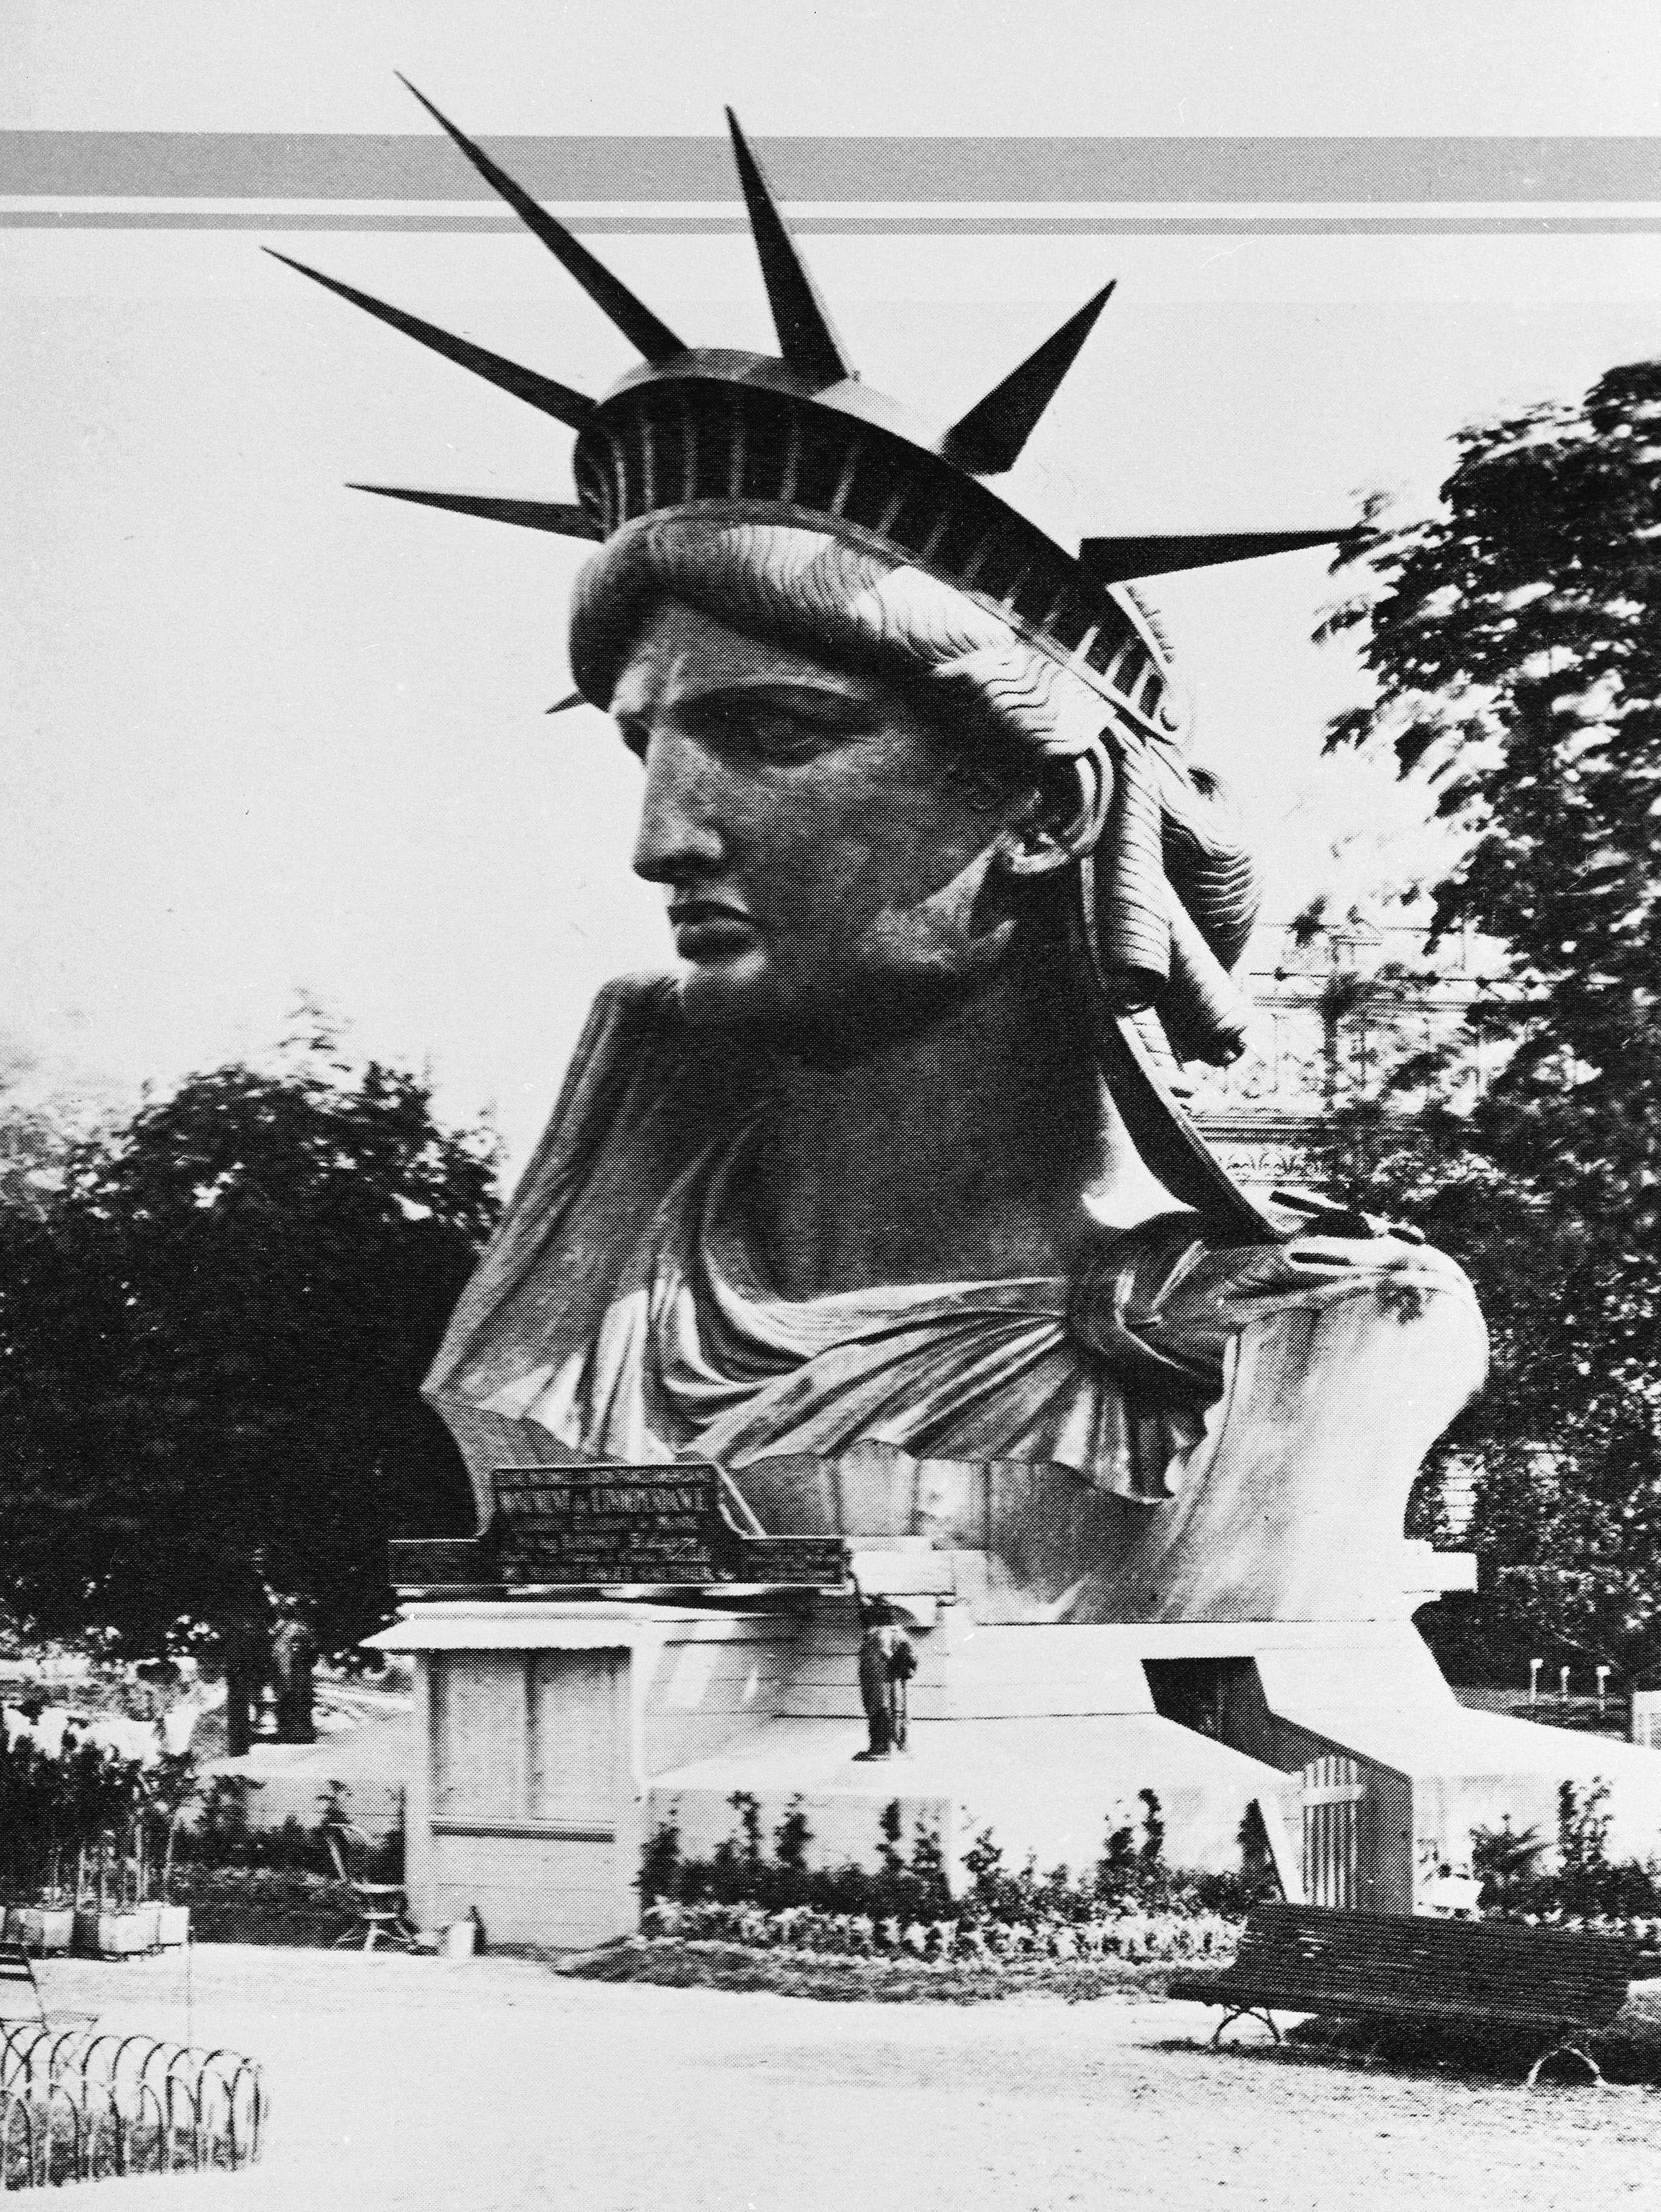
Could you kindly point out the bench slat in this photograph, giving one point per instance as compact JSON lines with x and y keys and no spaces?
{"x":1409,"y":1976}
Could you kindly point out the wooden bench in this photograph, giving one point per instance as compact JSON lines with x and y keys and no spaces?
{"x":1390,"y":1966}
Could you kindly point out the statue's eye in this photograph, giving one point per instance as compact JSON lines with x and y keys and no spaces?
{"x":790,"y":723}
{"x":771,"y":735}
{"x":763,"y":725}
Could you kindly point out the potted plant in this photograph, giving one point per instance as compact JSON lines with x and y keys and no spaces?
{"x":173,"y":1788}
{"x":106,"y":1924}
{"x":48,"y":1924}
{"x":144,"y":1905}
{"x":173,"y":1926}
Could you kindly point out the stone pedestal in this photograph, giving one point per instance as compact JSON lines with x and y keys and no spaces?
{"x":555,"y":1736}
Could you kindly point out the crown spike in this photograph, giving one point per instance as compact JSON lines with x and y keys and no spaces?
{"x":1126,"y":560}
{"x":989,"y":438}
{"x":650,"y":337}
{"x":528,"y":513}
{"x":556,"y":399}
{"x":807,"y":339}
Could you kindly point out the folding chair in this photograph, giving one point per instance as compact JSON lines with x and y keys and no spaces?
{"x":379,"y":1908}
{"x":17,"y":1976}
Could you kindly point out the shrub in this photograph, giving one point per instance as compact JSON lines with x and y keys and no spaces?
{"x":224,"y":1836}
{"x":1586,"y":1884}
{"x":1504,"y":1862}
{"x":910,"y":1885}
{"x":740,"y":1871}
{"x":51,"y":1808}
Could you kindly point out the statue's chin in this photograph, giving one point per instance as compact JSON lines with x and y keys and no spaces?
{"x":820,"y":1027}
{"x":720,"y":996}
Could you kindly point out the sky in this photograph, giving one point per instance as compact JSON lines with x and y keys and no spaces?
{"x":261,"y":736}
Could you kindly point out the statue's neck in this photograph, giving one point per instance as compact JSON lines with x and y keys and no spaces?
{"x":960,"y":1150}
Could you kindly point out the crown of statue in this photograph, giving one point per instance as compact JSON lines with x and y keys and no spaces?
{"x":705,"y":428}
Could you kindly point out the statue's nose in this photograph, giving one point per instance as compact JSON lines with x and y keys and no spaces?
{"x":680,"y":827}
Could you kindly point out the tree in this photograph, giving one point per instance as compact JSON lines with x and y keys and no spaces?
{"x":34,"y":1144}
{"x":1515,"y":639}
{"x":211,"y":1345}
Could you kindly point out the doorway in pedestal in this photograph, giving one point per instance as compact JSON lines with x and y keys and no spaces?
{"x":530,"y":1794}
{"x":1222,"y":1698}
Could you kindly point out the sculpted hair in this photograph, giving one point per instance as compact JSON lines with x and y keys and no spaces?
{"x":1176,"y":890}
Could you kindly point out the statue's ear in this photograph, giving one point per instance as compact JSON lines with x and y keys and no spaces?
{"x":1031,"y":851}
{"x":1055,"y":823}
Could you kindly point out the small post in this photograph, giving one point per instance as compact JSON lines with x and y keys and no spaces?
{"x":1534,"y":1666}
{"x":1562,"y":1685}
{"x":1603,"y":1685}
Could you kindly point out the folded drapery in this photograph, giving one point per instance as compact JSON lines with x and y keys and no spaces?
{"x":622,"y":1313}
{"x":1108,"y":1377}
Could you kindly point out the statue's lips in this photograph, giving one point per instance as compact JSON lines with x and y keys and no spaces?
{"x":706,"y":929}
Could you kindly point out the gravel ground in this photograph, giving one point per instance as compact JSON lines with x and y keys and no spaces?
{"x":492,"y":2085}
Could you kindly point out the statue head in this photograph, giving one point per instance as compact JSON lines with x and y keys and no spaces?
{"x":862,"y":785}
{"x":854,"y":788}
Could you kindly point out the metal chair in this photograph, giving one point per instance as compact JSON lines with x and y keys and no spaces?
{"x":380,"y":1909}
{"x":17,"y":1974}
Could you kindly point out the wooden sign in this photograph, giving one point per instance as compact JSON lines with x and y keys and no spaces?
{"x":817,"y":1562}
{"x":607,"y":1524}
{"x":615,"y":1524}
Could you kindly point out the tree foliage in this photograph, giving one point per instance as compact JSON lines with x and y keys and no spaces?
{"x":1515,"y":639}
{"x":211,"y":1345}
{"x":34,"y":1144}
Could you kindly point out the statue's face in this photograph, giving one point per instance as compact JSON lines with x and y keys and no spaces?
{"x":824,"y":863}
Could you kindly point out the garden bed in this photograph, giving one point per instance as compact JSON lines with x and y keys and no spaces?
{"x":674,"y":1962}
{"x":966,"y":1960}
{"x":263,"y":1905}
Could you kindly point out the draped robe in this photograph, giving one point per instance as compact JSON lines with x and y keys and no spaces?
{"x":622,"y":1313}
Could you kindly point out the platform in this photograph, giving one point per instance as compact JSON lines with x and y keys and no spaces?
{"x":558,"y":1735}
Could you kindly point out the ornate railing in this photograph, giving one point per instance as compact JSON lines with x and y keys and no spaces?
{"x":79,"y":2107}
{"x":1340,"y":1015}
{"x":1339,"y":1009}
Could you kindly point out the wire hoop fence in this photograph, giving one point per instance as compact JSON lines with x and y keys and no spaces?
{"x":79,"y":2107}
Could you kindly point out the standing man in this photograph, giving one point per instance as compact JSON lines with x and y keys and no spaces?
{"x":887,"y":1662}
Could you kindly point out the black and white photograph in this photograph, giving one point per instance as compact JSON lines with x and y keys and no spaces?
{"x":831,"y":1104}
